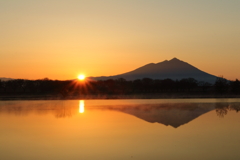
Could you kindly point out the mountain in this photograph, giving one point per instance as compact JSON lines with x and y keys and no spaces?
{"x":173,"y":69}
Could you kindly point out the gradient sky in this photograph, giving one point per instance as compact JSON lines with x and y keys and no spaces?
{"x":60,"y":39}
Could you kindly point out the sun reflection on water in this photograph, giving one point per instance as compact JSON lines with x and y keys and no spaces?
{"x":81,"y":106}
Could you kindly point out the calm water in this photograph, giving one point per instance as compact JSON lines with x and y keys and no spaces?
{"x":120,"y":129}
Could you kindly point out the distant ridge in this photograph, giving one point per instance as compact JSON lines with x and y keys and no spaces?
{"x":5,"y":79}
{"x":174,"y":69}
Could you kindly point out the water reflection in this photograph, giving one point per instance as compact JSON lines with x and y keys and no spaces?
{"x":169,"y":114}
{"x":223,"y":109}
{"x":81,"y":106}
{"x":60,"y":109}
{"x":119,"y":130}
{"x":172,"y":114}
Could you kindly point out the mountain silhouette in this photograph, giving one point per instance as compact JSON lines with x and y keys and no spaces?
{"x":174,"y":69}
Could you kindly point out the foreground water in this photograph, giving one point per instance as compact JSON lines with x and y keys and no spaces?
{"x":120,"y":129}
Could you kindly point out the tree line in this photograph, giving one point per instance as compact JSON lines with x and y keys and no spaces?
{"x":118,"y":87}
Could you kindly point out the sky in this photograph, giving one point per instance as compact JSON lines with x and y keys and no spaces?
{"x":60,"y":39}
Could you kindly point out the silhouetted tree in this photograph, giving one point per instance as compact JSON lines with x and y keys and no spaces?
{"x":147,"y":84}
{"x":221,"y":85}
{"x":187,"y":83}
{"x":235,"y":87}
{"x":167,"y":84}
{"x":137,"y":85}
{"x":204,"y":85}
{"x":1,"y":86}
{"x":115,"y":87}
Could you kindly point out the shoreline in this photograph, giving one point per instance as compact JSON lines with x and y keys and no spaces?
{"x":85,"y":97}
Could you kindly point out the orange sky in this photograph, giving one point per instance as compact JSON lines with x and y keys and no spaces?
{"x":60,"y":39}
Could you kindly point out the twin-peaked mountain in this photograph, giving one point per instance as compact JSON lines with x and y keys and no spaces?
{"x":174,"y":69}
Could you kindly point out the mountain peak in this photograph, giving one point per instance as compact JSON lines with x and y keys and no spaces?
{"x":171,"y":60}
{"x":174,"y":59}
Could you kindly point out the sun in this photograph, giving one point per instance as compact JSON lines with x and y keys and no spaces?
{"x":81,"y":77}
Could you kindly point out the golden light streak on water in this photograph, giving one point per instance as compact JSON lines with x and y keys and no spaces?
{"x":81,"y":106}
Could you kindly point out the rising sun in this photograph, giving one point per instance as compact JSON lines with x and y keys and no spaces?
{"x":81,"y":77}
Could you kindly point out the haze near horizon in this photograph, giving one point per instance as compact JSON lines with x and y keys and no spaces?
{"x":62,"y":39}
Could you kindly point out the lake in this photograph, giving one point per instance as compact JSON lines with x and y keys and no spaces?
{"x":168,"y":129}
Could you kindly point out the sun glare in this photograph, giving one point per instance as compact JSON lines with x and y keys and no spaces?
{"x":81,"y":77}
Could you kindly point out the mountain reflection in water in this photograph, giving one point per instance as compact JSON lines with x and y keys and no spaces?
{"x":173,"y":114}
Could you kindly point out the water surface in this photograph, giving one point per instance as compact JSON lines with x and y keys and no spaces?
{"x":120,"y":129}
